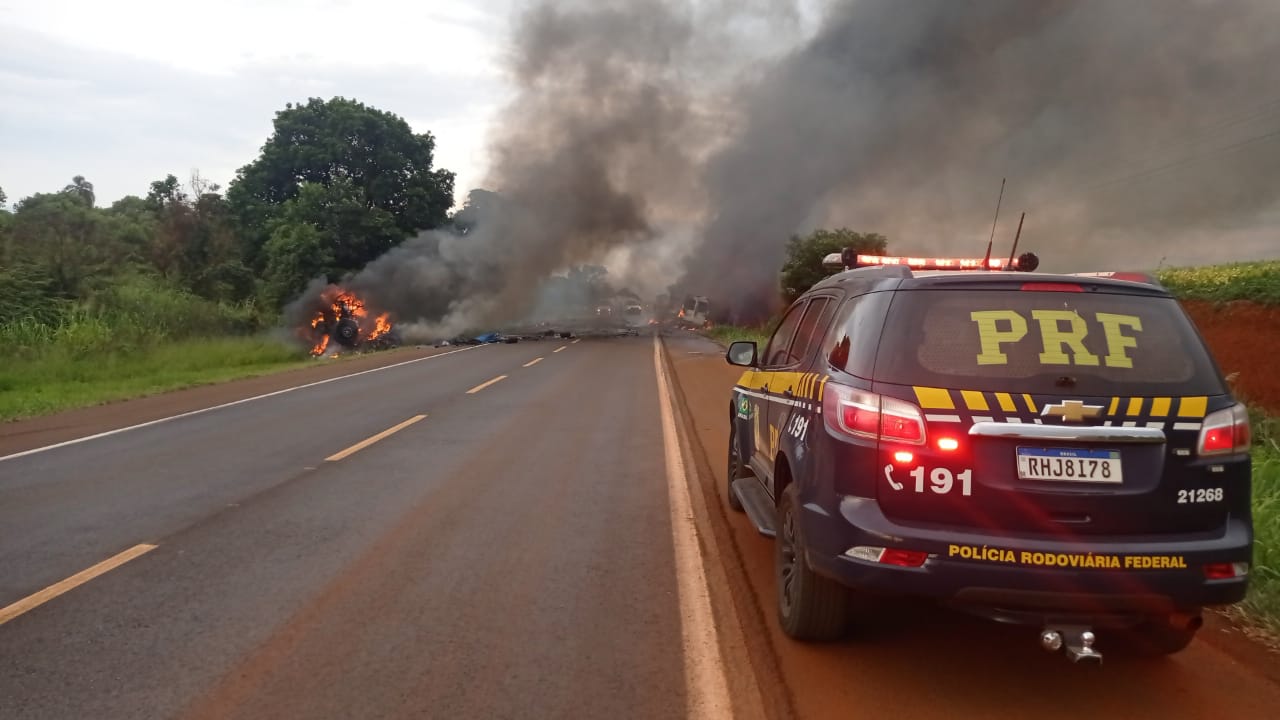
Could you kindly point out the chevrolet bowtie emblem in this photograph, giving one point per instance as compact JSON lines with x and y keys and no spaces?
{"x":1072,"y":411}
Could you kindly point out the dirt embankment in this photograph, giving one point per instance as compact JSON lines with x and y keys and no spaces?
{"x":1244,"y":338}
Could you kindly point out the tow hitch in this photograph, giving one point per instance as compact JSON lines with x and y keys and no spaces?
{"x":1076,"y":640}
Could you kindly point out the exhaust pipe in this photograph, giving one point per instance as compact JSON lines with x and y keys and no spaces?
{"x":1076,"y":641}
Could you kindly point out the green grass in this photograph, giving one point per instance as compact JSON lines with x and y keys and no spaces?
{"x":1256,"y":281}
{"x":725,"y":334}
{"x":62,"y":377}
{"x":137,"y":337}
{"x":1262,"y":606}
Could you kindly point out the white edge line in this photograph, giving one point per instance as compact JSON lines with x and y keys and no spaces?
{"x":706,"y":687}
{"x":158,"y":421}
{"x":942,"y":418}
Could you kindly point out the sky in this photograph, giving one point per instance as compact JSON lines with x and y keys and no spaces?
{"x":129,"y":91}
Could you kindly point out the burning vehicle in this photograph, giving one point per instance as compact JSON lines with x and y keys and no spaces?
{"x":694,"y":313}
{"x":342,"y":321}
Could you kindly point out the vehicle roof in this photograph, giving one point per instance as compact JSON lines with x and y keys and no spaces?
{"x":897,"y":277}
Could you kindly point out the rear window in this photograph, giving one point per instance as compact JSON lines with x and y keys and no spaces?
{"x":1044,"y":342}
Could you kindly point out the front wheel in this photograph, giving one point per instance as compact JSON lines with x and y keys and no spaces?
{"x":735,"y":469}
{"x":810,"y":606}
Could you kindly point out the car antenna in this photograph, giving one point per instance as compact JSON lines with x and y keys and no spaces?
{"x":987,"y":258}
{"x":1016,"y":235}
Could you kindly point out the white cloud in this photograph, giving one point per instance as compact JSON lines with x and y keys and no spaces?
{"x":124,"y":93}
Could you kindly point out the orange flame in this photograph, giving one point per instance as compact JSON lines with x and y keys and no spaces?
{"x":681,"y":313}
{"x":382,"y":328}
{"x":346,"y":304}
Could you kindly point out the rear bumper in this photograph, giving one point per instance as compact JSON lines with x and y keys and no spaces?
{"x":1010,"y":577}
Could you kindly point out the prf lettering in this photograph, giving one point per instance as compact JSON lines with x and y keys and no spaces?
{"x":1062,"y":334}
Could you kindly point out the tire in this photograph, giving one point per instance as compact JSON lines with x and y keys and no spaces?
{"x":347,"y":332}
{"x":1157,"y":638}
{"x":735,"y":469}
{"x":810,"y":606}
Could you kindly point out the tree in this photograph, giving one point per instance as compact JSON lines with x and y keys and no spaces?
{"x":65,"y":239}
{"x":480,"y":205}
{"x":196,"y":243}
{"x":383,"y":164}
{"x":295,"y":254}
{"x":352,"y":232}
{"x":803,"y":267}
{"x":166,"y":193}
{"x":3,"y":198}
{"x":80,"y":188}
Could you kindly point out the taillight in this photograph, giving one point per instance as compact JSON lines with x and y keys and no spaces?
{"x":1225,"y":431}
{"x":888,"y":556}
{"x":1225,"y":571}
{"x":869,"y":415}
{"x":1052,"y":287}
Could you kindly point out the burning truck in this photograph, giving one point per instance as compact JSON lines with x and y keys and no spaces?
{"x":341,"y":321}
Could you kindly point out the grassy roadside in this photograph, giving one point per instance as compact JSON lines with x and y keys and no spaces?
{"x":58,"y":379}
{"x":725,"y":334}
{"x":1262,"y":606}
{"x":138,"y":336}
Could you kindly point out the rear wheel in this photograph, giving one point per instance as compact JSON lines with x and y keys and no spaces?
{"x":735,"y":470}
{"x":1156,"y":637}
{"x":810,"y":606}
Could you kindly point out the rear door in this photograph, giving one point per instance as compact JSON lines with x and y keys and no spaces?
{"x":764,"y":385}
{"x":793,"y":391}
{"x":1054,"y":411}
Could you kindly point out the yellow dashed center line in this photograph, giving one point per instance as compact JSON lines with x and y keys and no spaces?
{"x":80,"y":578}
{"x":367,"y":442}
{"x":533,"y":362}
{"x":484,"y":385}
{"x":562,"y":347}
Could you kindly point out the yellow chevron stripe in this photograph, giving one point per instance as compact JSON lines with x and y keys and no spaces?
{"x":822,"y":386}
{"x":1031,"y":404}
{"x":1135,"y":407}
{"x":931,"y":398}
{"x":975,"y":400}
{"x":1115,"y":405}
{"x":1160,"y":406}
{"x":1006,"y":402}
{"x":1193,"y":406}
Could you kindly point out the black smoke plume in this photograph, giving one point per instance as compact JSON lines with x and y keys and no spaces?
{"x":689,"y":140}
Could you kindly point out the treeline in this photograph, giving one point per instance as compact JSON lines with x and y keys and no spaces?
{"x":337,"y":184}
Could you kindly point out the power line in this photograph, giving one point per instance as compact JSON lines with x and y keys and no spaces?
{"x":1185,"y":161}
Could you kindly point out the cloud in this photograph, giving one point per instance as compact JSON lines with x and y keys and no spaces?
{"x":123,"y":121}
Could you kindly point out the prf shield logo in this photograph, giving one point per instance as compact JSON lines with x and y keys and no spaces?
{"x":744,"y":407}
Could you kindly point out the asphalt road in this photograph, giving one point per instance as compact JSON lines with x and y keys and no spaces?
{"x":510,"y":554}
{"x":428,"y":540}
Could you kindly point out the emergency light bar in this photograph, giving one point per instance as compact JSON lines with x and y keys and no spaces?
{"x":848,"y":261}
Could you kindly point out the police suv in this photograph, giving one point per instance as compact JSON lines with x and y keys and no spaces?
{"x":1053,"y":450}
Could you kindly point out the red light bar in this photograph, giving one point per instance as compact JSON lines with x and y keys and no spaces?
{"x":917,"y":263}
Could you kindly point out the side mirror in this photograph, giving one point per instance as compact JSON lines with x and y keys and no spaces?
{"x":742,"y":352}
